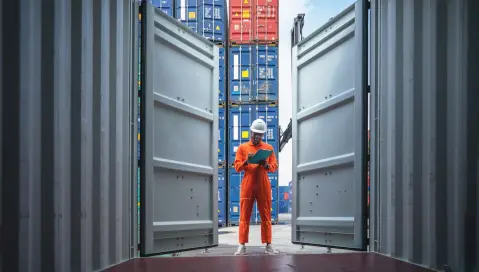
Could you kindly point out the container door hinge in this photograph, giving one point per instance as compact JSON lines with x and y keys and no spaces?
{"x":368,"y":89}
{"x":368,"y":4}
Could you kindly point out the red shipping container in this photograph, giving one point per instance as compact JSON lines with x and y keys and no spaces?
{"x":253,"y":21}
{"x":266,"y":25}
{"x":241,"y":21}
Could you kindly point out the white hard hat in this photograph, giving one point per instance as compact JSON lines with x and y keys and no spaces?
{"x":258,"y":126}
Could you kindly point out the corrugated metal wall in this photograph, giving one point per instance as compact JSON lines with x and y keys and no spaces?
{"x":425,"y":92}
{"x":67,"y":148}
{"x":2,"y":59}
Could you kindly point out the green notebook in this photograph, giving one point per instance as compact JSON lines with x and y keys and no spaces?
{"x":261,"y":155}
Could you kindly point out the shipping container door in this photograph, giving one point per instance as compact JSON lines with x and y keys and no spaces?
{"x":179,"y":180}
{"x":329,"y":167}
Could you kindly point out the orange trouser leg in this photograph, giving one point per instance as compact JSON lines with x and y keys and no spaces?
{"x":263,"y":199}
{"x":246,"y":206}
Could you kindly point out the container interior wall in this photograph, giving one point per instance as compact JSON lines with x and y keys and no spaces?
{"x":425,"y":133}
{"x":66,"y":139}
{"x":1,"y":129}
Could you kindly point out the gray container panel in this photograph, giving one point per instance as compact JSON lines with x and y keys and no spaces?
{"x":329,"y":87}
{"x":424,"y":133}
{"x":2,"y":60}
{"x":181,"y":138}
{"x":66,"y":150}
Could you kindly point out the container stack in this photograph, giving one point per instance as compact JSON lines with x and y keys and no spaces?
{"x":208,"y":18}
{"x":205,"y":17}
{"x":283,"y":199}
{"x":252,"y":88}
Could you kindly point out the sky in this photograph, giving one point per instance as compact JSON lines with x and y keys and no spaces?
{"x":317,"y":13}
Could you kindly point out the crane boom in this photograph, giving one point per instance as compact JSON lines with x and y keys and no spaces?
{"x":285,"y":135}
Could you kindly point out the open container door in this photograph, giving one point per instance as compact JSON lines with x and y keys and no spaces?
{"x":179,"y":126}
{"x":329,"y":133}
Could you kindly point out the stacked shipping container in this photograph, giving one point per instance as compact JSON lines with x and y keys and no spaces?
{"x":252,"y":88}
{"x":241,"y":116}
{"x":253,"y":73}
{"x":222,"y":197}
{"x":205,"y":17}
{"x":283,"y":199}
{"x":253,"y":21}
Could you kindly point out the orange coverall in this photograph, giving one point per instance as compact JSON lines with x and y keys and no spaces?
{"x":255,"y":185}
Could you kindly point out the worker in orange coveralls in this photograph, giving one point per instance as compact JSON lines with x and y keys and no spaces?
{"x":255,"y":186}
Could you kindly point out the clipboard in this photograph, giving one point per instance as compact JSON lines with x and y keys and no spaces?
{"x":261,"y":155}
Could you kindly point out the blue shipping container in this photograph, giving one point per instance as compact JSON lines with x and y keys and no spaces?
{"x":281,"y":194}
{"x":221,"y":136}
{"x":205,"y":17}
{"x":240,"y":73}
{"x":282,"y":190}
{"x":222,"y":178}
{"x":253,"y":73}
{"x":221,"y":197}
{"x":233,"y":212}
{"x":273,"y":178}
{"x":221,"y":118}
{"x":222,"y":82}
{"x":165,"y":5}
{"x":283,"y":206}
{"x":221,"y":206}
{"x":240,"y":118}
{"x":221,"y":149}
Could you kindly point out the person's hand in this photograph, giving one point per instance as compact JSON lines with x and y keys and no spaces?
{"x":250,"y":155}
{"x":264,"y":164}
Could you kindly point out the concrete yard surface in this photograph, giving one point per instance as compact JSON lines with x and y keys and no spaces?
{"x":228,"y":243}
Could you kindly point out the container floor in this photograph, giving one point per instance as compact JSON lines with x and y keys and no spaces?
{"x":346,"y":262}
{"x":292,"y":258}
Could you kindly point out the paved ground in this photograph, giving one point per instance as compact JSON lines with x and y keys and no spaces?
{"x":228,"y":242}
